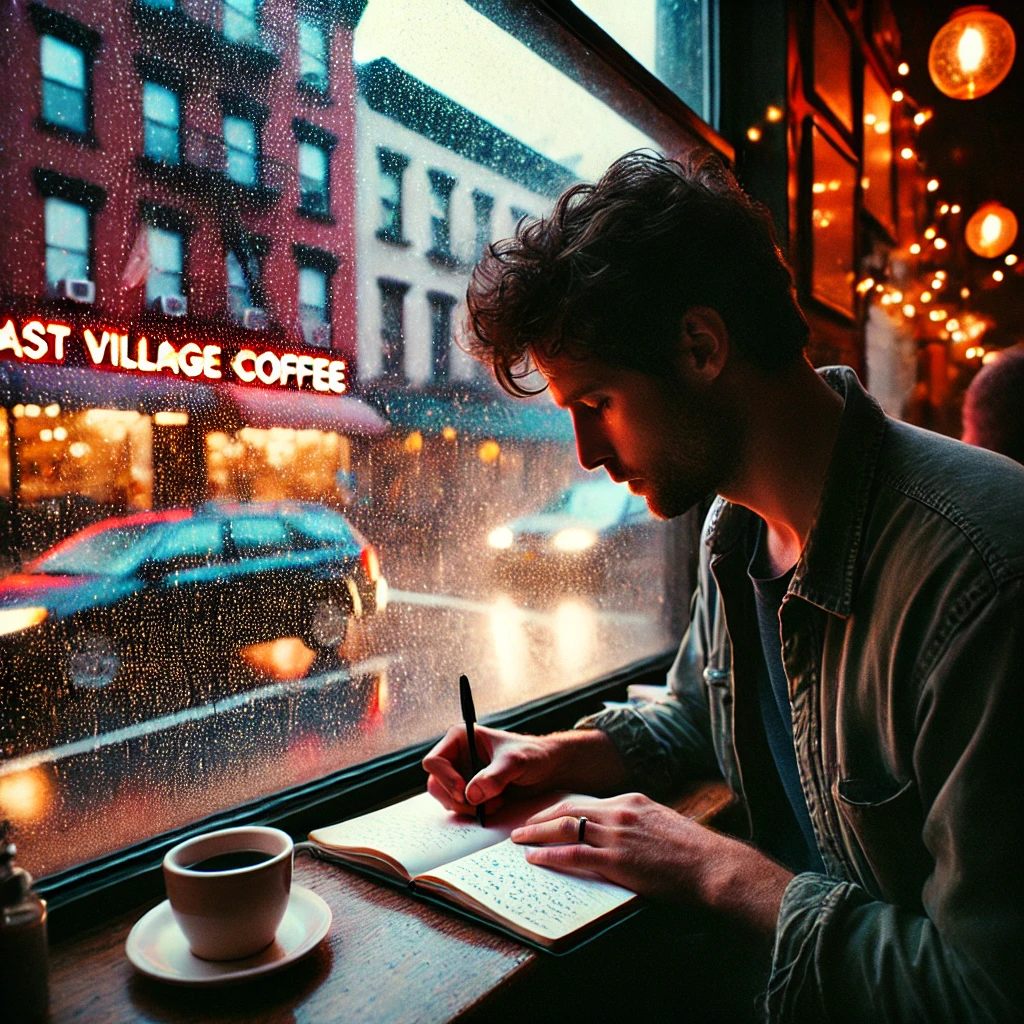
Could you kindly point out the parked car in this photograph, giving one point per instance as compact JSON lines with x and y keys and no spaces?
{"x":589,"y":536}
{"x":180,"y":587}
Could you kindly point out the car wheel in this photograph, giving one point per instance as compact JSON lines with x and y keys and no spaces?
{"x":328,"y":624}
{"x":92,"y":661}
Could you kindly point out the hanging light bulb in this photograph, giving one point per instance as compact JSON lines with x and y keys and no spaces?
{"x":972,"y":53}
{"x":991,"y":230}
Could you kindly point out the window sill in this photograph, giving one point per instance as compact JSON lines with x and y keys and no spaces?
{"x":87,"y":138}
{"x":447,"y":260}
{"x":383,"y":236}
{"x":320,"y":218}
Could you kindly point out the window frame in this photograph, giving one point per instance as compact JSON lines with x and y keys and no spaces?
{"x":48,"y":22}
{"x":166,"y":218}
{"x":308,"y":88}
{"x":146,"y":121}
{"x":310,"y":258}
{"x":307,"y":134}
{"x":393,"y":165}
{"x":442,"y":187}
{"x":441,"y":352}
{"x":95,"y":890}
{"x":52,"y":184}
{"x":392,"y":350}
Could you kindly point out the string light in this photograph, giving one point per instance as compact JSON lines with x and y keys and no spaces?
{"x":903,"y":69}
{"x":897,"y":95}
{"x":933,"y":185}
{"x":773,"y":114}
{"x":940,"y":243}
{"x":897,"y":297}
{"x":930,"y":234}
{"x":965,"y":292}
{"x":926,"y":296}
{"x":936,"y":283}
{"x":915,"y":248}
{"x":940,"y":274}
{"x":907,"y":153}
{"x":866,"y":285}
{"x":997,"y":275}
{"x":754,"y":133}
{"x":952,"y":324}
{"x":908,"y":310}
{"x":991,"y":230}
{"x":919,"y":119}
{"x":955,"y":208}
{"x":1011,"y":259}
{"x":944,"y":208}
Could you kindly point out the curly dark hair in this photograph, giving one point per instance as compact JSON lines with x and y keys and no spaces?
{"x":615,"y":266}
{"x":992,"y":413}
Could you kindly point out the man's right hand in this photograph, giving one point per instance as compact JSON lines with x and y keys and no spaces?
{"x":582,"y":760}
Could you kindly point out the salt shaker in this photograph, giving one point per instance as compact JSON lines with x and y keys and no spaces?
{"x":23,"y":964}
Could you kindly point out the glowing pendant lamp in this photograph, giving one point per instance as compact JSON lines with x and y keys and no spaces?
{"x":972,"y":53}
{"x":991,"y":231}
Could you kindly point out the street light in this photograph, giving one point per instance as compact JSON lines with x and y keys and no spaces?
{"x":972,"y":53}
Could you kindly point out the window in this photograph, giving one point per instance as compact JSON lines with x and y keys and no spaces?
{"x":315,"y":147}
{"x":166,"y":264}
{"x":241,"y":141}
{"x":162,"y":122}
{"x":392,"y":327}
{"x":164,"y":702}
{"x":441,"y":306}
{"x":68,"y":242}
{"x":483,"y":206}
{"x":239,"y":23}
{"x":65,"y":84}
{"x":392,"y":169}
{"x":441,"y":186}
{"x":313,"y":72}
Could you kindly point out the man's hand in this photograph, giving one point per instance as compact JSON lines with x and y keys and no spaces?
{"x":519,"y":765}
{"x":648,"y":848}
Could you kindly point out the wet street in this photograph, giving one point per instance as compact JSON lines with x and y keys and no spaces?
{"x":277,"y":715}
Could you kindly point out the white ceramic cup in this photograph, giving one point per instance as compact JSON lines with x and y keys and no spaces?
{"x":227,"y":915}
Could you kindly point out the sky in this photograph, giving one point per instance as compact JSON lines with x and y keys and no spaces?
{"x":462,"y":54}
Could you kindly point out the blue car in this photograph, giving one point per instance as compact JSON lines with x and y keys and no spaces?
{"x":170,"y":591}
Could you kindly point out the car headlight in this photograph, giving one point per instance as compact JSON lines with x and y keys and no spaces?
{"x":382,"y":593}
{"x":501,"y":538}
{"x":14,"y":620}
{"x":574,"y":539}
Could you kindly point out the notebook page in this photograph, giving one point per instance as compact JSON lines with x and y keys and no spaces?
{"x":548,"y":903}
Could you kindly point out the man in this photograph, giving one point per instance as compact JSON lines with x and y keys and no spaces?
{"x":993,"y":414}
{"x":853,"y":667}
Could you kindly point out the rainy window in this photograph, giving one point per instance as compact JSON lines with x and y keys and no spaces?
{"x":162,"y":123}
{"x":67,"y":242}
{"x":259,"y":507}
{"x":312,"y":56}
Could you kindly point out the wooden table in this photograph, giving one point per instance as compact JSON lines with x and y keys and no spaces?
{"x":387,"y":958}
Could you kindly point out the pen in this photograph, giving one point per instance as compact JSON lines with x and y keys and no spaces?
{"x":469,"y":715}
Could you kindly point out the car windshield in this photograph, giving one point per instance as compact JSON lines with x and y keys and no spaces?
{"x":592,"y":500}
{"x":321,"y":526}
{"x":109,"y":552}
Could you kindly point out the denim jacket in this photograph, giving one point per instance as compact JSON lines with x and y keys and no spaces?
{"x":903,"y":643}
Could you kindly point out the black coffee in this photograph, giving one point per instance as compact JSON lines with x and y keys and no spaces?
{"x":231,"y":861}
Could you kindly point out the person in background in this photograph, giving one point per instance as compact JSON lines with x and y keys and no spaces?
{"x":993,"y":413}
{"x":853,"y":665}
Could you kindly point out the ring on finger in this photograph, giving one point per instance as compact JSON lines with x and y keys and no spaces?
{"x":581,"y":829}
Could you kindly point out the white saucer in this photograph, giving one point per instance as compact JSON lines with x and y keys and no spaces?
{"x":158,"y":947}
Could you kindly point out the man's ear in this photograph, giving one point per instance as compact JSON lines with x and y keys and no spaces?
{"x":704,"y":344}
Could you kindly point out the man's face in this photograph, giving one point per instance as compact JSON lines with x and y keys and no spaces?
{"x":669,"y":440}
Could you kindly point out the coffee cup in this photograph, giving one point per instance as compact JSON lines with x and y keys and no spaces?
{"x":229,"y":889}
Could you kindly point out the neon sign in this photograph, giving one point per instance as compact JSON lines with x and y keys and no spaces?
{"x":110,"y":349}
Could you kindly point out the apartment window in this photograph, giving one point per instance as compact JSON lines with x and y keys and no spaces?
{"x":392,"y":167}
{"x":441,"y":306}
{"x":239,"y":22}
{"x":65,"y":84}
{"x":313,"y":72}
{"x":441,"y":186}
{"x":315,"y":147}
{"x":68,"y":242}
{"x":241,"y":142}
{"x":392,"y":327}
{"x":161,"y":116}
{"x":316,"y":268}
{"x":483,"y":207}
{"x":166,"y":264}
{"x":246,"y":292}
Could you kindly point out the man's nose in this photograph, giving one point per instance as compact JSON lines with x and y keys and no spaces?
{"x":592,"y":447}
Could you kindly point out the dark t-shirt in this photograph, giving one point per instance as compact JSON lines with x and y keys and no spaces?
{"x":792,"y":841}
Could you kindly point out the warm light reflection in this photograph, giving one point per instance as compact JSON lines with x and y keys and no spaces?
{"x":413,"y":443}
{"x":575,"y":636}
{"x":449,"y":433}
{"x":511,"y":643}
{"x":25,"y":796}
{"x":287,"y":657}
{"x":488,"y":452}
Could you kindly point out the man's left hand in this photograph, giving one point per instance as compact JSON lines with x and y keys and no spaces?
{"x":649,"y":848}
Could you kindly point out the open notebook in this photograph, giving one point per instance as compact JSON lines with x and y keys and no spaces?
{"x":479,"y":870}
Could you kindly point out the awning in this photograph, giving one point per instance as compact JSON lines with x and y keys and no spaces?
{"x":476,"y":415}
{"x":304,"y":410}
{"x":79,"y":387}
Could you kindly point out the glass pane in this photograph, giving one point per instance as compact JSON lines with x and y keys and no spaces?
{"x":206,"y":490}
{"x":669,"y":37}
{"x":62,"y":62}
{"x":160,"y":104}
{"x":312,"y":162}
{"x":64,"y":106}
{"x":312,"y":288}
{"x":67,"y":225}
{"x":312,"y":48}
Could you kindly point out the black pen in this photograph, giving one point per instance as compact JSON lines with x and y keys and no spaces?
{"x":469,"y":716}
